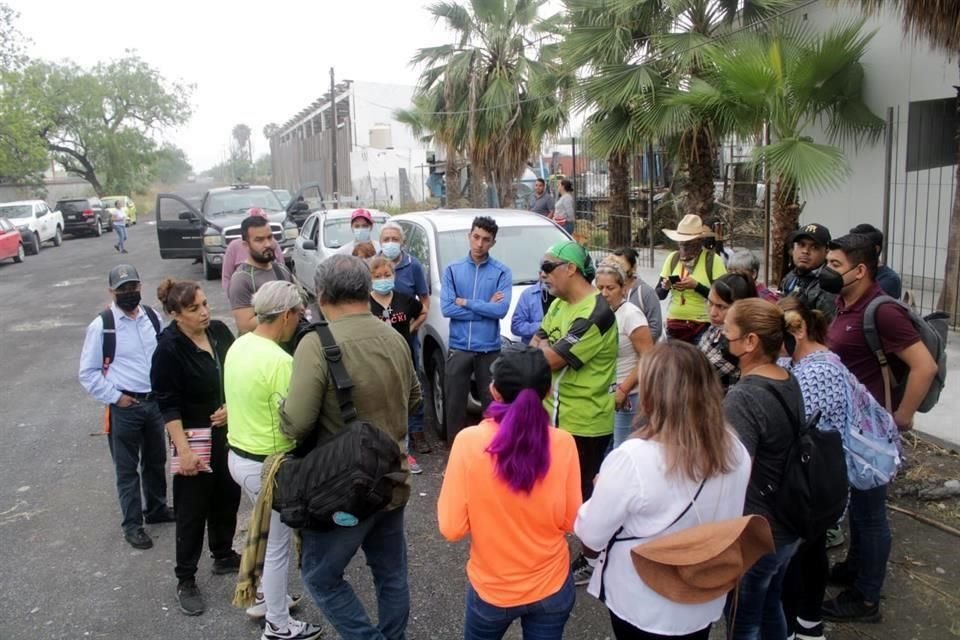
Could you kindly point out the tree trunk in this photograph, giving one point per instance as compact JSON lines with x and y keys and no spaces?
{"x":786,"y":217}
{"x":699,"y":199}
{"x":951,"y":279}
{"x":618,"y":230}
{"x":478,"y":195}
{"x":451,"y":178}
{"x":86,"y":170}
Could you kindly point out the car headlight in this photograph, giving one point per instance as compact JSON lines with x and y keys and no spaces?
{"x":213,"y":240}
{"x":291,"y":232}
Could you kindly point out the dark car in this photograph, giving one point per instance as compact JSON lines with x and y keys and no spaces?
{"x":183,"y":231}
{"x":84,"y":216}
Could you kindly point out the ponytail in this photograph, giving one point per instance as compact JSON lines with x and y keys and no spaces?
{"x":521,"y":446}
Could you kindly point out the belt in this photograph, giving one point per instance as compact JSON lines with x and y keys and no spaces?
{"x":247,"y":455}
{"x":142,"y":397}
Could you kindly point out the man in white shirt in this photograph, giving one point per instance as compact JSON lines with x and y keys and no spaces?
{"x":121,"y":381}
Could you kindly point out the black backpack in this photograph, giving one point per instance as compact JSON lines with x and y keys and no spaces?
{"x":812,"y":494}
{"x":109,"y":348}
{"x":346,"y":477}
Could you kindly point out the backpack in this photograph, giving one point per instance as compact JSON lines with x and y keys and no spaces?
{"x":110,"y":333}
{"x":872,"y":442}
{"x":933,"y":333}
{"x":675,"y":260}
{"x":812,"y":494}
{"x":347,"y":477}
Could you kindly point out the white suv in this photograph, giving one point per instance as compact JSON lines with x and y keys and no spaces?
{"x":36,"y":222}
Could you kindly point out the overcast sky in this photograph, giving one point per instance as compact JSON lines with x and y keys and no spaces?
{"x":251,"y":62}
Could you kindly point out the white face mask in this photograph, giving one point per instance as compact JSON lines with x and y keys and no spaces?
{"x":361,"y":234}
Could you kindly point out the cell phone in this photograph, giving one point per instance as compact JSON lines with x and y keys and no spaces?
{"x":674,"y":279}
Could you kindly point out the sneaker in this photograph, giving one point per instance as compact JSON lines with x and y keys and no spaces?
{"x":138,"y":538}
{"x":296,"y":630}
{"x":582,"y":571}
{"x":849,"y":606}
{"x":189,"y":599}
{"x":227,"y":565}
{"x":842,"y":575}
{"x":835,"y":538}
{"x":164,"y":516}
{"x":259,"y":608}
{"x":414,"y":467}
{"x":813,"y":633}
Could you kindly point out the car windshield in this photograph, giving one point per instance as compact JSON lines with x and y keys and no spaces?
{"x":16,"y":211}
{"x":283,"y":195}
{"x":337,"y":232}
{"x":520,"y":248}
{"x":73,"y":206}
{"x":241,"y":200}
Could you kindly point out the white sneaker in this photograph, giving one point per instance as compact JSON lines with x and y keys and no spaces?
{"x":259,"y":608}
{"x":296,"y":630}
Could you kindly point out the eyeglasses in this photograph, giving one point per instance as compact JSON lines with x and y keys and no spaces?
{"x":548,"y":267}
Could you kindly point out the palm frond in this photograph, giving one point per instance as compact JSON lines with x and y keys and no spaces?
{"x":803,"y":164}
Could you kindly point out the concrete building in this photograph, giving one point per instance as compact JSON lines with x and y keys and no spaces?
{"x":379,"y":161}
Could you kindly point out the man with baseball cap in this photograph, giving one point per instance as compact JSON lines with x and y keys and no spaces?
{"x":808,"y":253}
{"x":115,"y":369}
{"x":361,"y":225}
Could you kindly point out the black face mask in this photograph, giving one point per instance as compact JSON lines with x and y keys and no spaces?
{"x":128,"y":300}
{"x":831,"y":280}
{"x":732,"y":358}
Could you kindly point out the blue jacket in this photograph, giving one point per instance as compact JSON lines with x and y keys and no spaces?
{"x":475,"y":326}
{"x":528,"y":313}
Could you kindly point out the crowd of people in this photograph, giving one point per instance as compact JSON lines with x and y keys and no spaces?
{"x":655,"y":443}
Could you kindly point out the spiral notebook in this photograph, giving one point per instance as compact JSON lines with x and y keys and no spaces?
{"x":201,"y":443}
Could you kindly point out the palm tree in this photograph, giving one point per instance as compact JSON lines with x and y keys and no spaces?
{"x":939,"y":22}
{"x":791,"y":78}
{"x":489,"y":94}
{"x":241,"y":133}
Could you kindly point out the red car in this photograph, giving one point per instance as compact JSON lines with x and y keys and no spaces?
{"x":11,"y":245}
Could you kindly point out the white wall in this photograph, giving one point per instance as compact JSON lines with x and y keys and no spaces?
{"x":898,"y":71}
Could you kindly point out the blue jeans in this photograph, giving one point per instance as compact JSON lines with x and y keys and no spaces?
{"x":326,"y":554}
{"x":623,"y":421}
{"x":415,"y":421}
{"x":137,"y":440}
{"x":869,"y":540}
{"x":759,"y":612}
{"x":541,"y":620}
{"x":121,"y":231}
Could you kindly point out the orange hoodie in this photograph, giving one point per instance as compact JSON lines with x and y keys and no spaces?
{"x":518,"y":552}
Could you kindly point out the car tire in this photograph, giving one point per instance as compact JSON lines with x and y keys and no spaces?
{"x":98,"y":230}
{"x":20,"y":254}
{"x":210,"y":272}
{"x":33,"y":246}
{"x":58,"y":238}
{"x":434,"y":398}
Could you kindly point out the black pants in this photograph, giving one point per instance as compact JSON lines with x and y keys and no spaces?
{"x":138,"y":449}
{"x":590,"y":453}
{"x":805,"y":583}
{"x":623,"y":630}
{"x":459,"y":368}
{"x":206,"y":500}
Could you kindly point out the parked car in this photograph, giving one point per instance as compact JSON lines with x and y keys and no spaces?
{"x":11,"y":243}
{"x":437,"y":238}
{"x":323,"y":233}
{"x":84,"y":216}
{"x":35,"y":221}
{"x":184,"y":231}
{"x":129,"y":206}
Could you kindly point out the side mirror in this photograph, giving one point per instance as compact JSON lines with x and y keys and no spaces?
{"x":309,"y":245}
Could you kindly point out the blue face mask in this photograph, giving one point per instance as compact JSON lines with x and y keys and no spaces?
{"x":384,"y":285}
{"x":361,"y":234}
{"x":390,"y":249}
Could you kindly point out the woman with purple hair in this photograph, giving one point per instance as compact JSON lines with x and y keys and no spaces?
{"x":513,"y":483}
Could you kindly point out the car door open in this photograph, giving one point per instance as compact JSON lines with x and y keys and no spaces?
{"x":179,"y":227}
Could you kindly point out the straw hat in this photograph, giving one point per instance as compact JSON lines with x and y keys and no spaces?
{"x":704,"y":562}
{"x":691,"y":227}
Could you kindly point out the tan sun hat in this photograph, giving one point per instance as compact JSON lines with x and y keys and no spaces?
{"x":691,"y":227}
{"x":704,"y":562}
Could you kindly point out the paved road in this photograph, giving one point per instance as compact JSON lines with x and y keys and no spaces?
{"x":66,"y":571}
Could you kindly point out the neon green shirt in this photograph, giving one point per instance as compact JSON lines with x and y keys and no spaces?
{"x":690,"y":305}
{"x":256,"y":375}
{"x":585,"y":336}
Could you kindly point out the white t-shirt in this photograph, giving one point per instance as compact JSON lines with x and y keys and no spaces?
{"x":633,"y":491}
{"x":629,"y":318}
{"x":119,"y":216}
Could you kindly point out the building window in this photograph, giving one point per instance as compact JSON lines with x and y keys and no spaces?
{"x":931,"y":127}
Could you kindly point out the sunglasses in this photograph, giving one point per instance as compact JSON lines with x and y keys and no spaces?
{"x":548,"y":267}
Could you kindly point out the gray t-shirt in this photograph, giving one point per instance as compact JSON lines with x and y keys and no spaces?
{"x":542,"y":205}
{"x":767,"y":432}
{"x":566,"y":208}
{"x":645,"y":297}
{"x":247,"y":279}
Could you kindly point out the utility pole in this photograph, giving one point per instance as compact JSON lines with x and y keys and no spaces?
{"x":333,"y":139}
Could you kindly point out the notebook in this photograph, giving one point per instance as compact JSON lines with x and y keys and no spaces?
{"x":201,"y":443}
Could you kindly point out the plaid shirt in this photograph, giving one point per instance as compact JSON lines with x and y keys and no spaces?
{"x":709,"y":344}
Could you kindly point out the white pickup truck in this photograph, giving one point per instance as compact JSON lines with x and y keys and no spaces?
{"x":36,"y":222}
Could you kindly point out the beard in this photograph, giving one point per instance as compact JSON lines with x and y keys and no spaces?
{"x":267,"y":256}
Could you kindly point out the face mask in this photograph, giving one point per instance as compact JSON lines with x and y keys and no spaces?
{"x":732,"y":358}
{"x":361,"y":234}
{"x":390,"y":249}
{"x":384,"y":285}
{"x":128,"y":300}
{"x":831,"y":280}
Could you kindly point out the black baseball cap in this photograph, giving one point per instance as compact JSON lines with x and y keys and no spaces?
{"x":122,"y":274}
{"x":521,"y":367}
{"x":816,"y":232}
